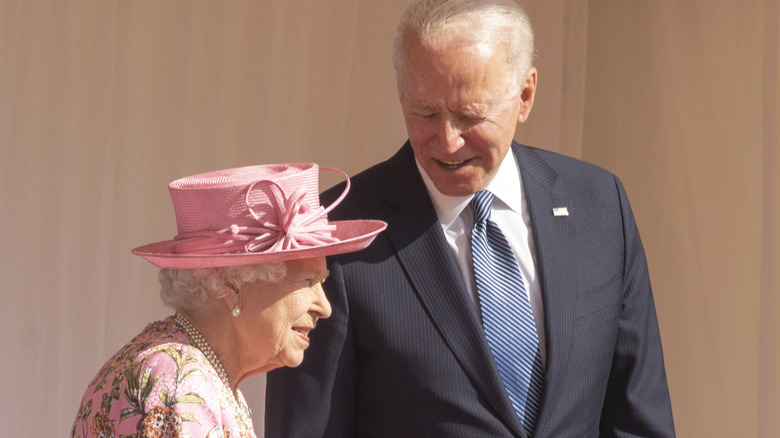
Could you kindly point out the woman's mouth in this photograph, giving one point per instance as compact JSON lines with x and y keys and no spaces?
{"x":303,"y":332}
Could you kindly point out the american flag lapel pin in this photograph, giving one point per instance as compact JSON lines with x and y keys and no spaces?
{"x":560,"y":211}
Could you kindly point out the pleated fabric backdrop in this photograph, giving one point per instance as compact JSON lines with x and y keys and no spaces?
{"x":102,"y":103}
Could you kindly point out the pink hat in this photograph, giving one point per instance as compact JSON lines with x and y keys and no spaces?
{"x":255,"y":214}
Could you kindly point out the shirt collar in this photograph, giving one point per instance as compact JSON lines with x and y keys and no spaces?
{"x":504,"y":186}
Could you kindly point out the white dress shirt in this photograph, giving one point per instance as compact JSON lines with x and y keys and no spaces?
{"x":510,"y":213}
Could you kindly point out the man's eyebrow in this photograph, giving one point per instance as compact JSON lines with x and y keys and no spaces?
{"x":473,"y":108}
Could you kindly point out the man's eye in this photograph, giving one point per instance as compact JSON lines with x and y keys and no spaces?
{"x":474,"y":118}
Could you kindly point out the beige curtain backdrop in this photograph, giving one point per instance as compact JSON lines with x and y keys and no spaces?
{"x":102,"y":103}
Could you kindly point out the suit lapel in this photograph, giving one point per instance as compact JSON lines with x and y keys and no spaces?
{"x":554,"y":239}
{"x":419,"y":242}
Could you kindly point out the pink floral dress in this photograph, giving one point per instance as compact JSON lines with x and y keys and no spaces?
{"x":159,"y":385}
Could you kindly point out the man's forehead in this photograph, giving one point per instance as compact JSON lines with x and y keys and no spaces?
{"x":478,"y":100}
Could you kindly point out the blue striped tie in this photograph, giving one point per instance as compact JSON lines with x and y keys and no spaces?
{"x":506,"y":313}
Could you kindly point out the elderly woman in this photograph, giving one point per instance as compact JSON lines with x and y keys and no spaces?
{"x":243,"y":275}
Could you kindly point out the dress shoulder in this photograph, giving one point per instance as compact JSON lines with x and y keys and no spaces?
{"x":157,"y":385}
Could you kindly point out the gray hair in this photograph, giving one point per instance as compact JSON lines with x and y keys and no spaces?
{"x":189,"y":288}
{"x":501,"y":22}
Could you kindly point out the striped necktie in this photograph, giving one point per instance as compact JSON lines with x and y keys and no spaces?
{"x":507,"y":318}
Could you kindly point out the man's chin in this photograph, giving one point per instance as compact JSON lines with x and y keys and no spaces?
{"x":457,"y":189}
{"x":459,"y":183}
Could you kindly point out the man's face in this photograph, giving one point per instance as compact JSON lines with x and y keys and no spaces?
{"x":459,"y":113}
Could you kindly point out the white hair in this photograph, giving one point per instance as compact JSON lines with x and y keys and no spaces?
{"x":500,"y":22}
{"x":189,"y":288}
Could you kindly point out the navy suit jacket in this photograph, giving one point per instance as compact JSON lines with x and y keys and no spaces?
{"x":404,"y":354}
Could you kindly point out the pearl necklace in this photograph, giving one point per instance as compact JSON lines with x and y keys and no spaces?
{"x":200,"y":343}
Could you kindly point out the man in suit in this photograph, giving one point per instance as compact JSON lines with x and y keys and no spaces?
{"x":405,"y":353}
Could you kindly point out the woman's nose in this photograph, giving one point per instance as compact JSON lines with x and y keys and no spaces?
{"x":321,"y":305}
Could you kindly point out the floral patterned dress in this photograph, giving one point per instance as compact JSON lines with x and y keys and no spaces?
{"x":159,"y":385}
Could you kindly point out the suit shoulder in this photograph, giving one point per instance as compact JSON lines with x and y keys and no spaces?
{"x":373,"y":191}
{"x":568,"y":164}
{"x":364,"y":183}
{"x":577,"y":173}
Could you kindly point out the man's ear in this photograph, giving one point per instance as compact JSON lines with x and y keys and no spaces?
{"x":527,"y":95}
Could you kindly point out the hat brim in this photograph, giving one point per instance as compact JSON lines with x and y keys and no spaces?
{"x":352,"y":236}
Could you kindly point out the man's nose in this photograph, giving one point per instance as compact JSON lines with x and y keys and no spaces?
{"x":450,"y":136}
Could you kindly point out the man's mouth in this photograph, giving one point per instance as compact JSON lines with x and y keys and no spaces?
{"x":452,"y":165}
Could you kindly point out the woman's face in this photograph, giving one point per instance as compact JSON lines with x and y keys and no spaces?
{"x":276,"y":318}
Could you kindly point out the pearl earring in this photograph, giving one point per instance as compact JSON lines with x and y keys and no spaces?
{"x":236,"y":311}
